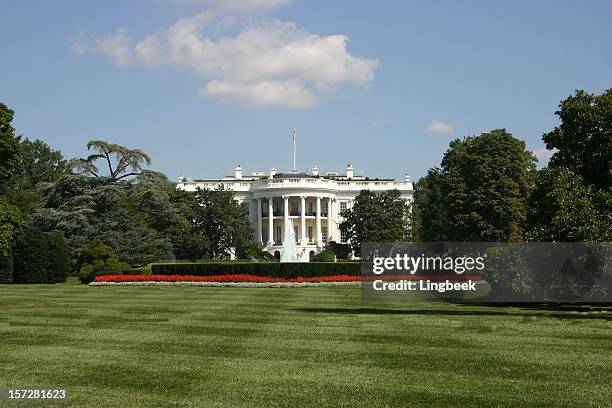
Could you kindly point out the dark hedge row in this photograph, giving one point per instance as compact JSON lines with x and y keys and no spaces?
{"x":285,"y":270}
{"x":39,"y":257}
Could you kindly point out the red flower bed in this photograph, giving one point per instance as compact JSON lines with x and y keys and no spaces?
{"x":220,"y":278}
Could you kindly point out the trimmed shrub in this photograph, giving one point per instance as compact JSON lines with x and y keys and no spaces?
{"x":40,"y":257}
{"x":285,"y":270}
{"x":327,"y":255}
{"x":99,"y":259}
{"x":6,"y":269}
{"x":58,"y":258}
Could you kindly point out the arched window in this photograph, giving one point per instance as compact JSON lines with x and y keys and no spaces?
{"x":311,"y":255}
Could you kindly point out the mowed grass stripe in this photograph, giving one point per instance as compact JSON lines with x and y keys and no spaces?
{"x":194,"y":347}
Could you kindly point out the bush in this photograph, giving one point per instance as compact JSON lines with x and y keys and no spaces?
{"x":327,"y":255}
{"x":58,"y":265}
{"x":6,"y":268}
{"x":285,"y":270}
{"x":40,"y":257}
{"x":342,"y":251}
{"x":99,"y":259}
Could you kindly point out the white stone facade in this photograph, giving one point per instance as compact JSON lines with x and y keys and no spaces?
{"x":312,"y":201}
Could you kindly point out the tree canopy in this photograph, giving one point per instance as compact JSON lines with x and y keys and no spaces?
{"x":120,"y":161}
{"x":377,"y":217}
{"x":223,"y":223}
{"x":9,"y":146}
{"x":584,"y":138}
{"x":480,"y":191}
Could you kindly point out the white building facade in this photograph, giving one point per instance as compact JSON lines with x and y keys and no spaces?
{"x":313,"y":202}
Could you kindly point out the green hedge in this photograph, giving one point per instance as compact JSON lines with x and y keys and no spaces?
{"x":40,"y":257}
{"x":285,"y":270}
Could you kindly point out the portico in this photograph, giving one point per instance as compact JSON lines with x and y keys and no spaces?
{"x":311,"y":216}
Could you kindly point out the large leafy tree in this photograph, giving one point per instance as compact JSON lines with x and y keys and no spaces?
{"x":480,"y":191}
{"x":133,"y":215}
{"x":10,"y":216}
{"x":223,"y":222}
{"x":377,"y":217}
{"x":572,"y":198}
{"x":563,"y":209}
{"x":120,"y":161}
{"x":584,"y":138}
{"x":429,"y":214}
{"x":11,"y":222}
{"x":9,"y":146}
{"x":40,"y":163}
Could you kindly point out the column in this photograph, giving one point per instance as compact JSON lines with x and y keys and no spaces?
{"x":270,"y":222}
{"x":329,"y":219}
{"x":286,"y":214}
{"x":318,"y":223}
{"x":259,"y":235}
{"x":303,"y":220}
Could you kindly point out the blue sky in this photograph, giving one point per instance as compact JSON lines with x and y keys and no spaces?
{"x":202,"y":85}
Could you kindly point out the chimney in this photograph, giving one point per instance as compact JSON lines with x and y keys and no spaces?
{"x":272,"y":172}
{"x":407,"y":178}
{"x":315,"y":171}
{"x":349,"y":171}
{"x":238,"y":173}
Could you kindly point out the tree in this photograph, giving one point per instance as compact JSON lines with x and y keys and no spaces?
{"x":480,"y":192}
{"x":584,"y":138}
{"x":188,"y":240}
{"x":121,"y":161}
{"x":223,"y":222}
{"x":563,"y":209}
{"x":136,"y":243}
{"x":9,"y":146}
{"x":40,"y":163}
{"x":98,"y":259}
{"x":377,"y":217}
{"x":10,"y":224}
{"x":40,"y":257}
{"x":430,"y":218}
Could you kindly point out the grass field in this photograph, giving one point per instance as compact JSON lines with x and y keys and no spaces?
{"x":232,"y":347}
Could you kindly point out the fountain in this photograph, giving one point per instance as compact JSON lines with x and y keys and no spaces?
{"x":289,"y":249}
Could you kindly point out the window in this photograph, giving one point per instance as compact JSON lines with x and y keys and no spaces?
{"x":295,"y":231}
{"x":278,"y":234}
{"x":343,"y":236}
{"x":324,"y":233}
{"x":309,"y":234}
{"x":343,"y":206}
{"x":264,"y":234}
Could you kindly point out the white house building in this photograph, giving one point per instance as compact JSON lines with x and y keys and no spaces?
{"x":313,"y":201}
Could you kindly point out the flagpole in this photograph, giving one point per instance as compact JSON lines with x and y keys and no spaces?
{"x":294,"y":146}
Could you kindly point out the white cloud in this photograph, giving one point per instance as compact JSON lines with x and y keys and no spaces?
{"x":118,"y":46}
{"x":262,"y":93}
{"x":271,"y":56}
{"x":543,"y":154}
{"x":381,"y":123}
{"x":437,"y":126}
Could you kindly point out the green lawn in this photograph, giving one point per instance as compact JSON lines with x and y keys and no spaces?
{"x":232,"y":347}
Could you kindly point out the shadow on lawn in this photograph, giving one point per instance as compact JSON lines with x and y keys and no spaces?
{"x":558,"y":312}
